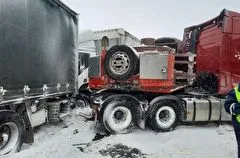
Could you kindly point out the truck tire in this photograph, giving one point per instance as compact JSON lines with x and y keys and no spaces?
{"x":11,"y":132}
{"x":117,"y":117}
{"x":121,"y":62}
{"x":170,"y":42}
{"x":53,"y":112}
{"x":163,"y":116}
{"x":148,"y":41}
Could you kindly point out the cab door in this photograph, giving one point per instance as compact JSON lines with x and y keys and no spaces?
{"x":82,"y":68}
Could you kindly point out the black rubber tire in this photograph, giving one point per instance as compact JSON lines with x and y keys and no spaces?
{"x":14,"y":118}
{"x":53,"y":112}
{"x":111,"y":107}
{"x":153,"y":112}
{"x":148,"y":41}
{"x":64,"y":108}
{"x":165,"y":40}
{"x":170,"y":42}
{"x":133,"y":62}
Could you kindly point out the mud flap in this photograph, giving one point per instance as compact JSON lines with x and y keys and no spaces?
{"x":141,"y":116}
{"x":28,"y":136}
{"x":29,"y":133}
{"x":141,"y":122}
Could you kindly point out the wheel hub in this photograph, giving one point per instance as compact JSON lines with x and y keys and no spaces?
{"x":5,"y":134}
{"x":117,"y":118}
{"x":119,"y":63}
{"x":164,"y":115}
{"x":118,"y":115}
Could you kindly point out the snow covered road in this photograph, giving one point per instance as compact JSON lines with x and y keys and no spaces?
{"x":62,"y":141}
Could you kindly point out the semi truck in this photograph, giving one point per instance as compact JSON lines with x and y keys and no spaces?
{"x":38,"y":65}
{"x":162,"y":87}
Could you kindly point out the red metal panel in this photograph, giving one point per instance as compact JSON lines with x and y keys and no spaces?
{"x":231,"y":13}
{"x":208,"y":50}
{"x":235,"y":58}
{"x":236,"y":25}
{"x":227,"y":25}
{"x":225,"y":83}
{"x":230,"y":55}
{"x":165,"y":86}
{"x":218,"y":51}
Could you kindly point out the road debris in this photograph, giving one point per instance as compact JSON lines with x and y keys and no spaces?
{"x":122,"y":151}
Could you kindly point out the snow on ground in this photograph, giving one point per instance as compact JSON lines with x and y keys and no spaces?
{"x":61,"y":141}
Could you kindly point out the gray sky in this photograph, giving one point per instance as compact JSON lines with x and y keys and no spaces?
{"x":148,"y":18}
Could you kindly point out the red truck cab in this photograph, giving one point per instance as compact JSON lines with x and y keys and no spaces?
{"x":216,"y":44}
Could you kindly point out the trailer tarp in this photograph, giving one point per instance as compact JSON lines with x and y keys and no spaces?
{"x":37,"y":46}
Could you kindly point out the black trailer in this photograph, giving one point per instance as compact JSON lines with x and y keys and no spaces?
{"x":38,"y":65}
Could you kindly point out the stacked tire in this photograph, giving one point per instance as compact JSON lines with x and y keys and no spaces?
{"x":54,"y":112}
{"x":170,"y":42}
{"x":64,"y":108}
{"x":148,"y":41}
{"x":121,"y":62}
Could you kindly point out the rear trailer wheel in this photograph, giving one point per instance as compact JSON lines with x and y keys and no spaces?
{"x":163,"y":116}
{"x":117,"y":117}
{"x":11,"y":132}
{"x":121,"y":62}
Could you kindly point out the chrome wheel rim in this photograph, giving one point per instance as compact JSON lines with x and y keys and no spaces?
{"x":117,"y":119}
{"x":119,"y":63}
{"x":165,"y":117}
